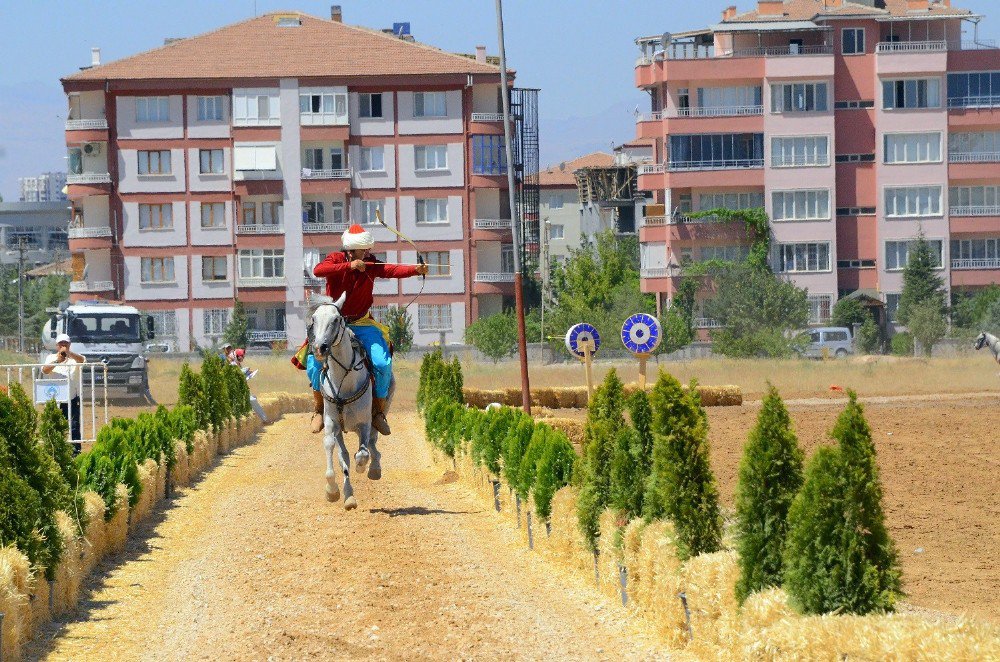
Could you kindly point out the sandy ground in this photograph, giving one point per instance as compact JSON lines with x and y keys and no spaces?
{"x":253,"y":563}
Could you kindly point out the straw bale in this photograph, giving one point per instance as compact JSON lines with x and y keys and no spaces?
{"x":572,"y":428}
{"x":709,"y":581}
{"x":610,"y":553}
{"x":69,"y":572}
{"x":180,"y":474}
{"x":631,"y":545}
{"x":566,"y":397}
{"x":720,"y":396}
{"x":38,"y":590}
{"x":147,"y":497}
{"x":95,"y":540}
{"x":15,"y":578}
{"x":117,"y":528}
{"x":547,"y":397}
{"x":660,"y":582}
{"x":567,"y":543}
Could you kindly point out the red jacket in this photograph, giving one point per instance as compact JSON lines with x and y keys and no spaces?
{"x":340,"y":278}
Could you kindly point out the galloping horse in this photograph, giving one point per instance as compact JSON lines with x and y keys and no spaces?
{"x":347,"y":394}
{"x":991,"y":341}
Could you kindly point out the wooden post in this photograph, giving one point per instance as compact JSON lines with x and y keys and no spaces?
{"x":588,"y":348}
{"x":642,"y":370}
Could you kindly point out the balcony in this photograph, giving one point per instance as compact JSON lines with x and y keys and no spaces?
{"x":978,"y":210}
{"x":256,"y":175}
{"x":312,"y":281}
{"x":719,"y":111}
{"x":974,"y":157}
{"x":976,"y":263}
{"x":260,"y":281}
{"x":87,"y":125}
{"x":935,"y":46}
{"x":261,"y":228}
{"x":494,"y":277}
{"x":656,"y":272}
{"x":491,"y":224}
{"x":342,"y":173}
{"x":89,"y":233}
{"x":718,"y":164}
{"x":78,"y":286}
{"x":323,"y":228}
{"x":707,"y":323}
{"x":654,"y":221}
{"x":267,"y":336}
{"x":974,"y":102}
{"x":487,"y":117}
{"x":89,"y":178}
{"x":652,"y":169}
{"x":650,"y":117}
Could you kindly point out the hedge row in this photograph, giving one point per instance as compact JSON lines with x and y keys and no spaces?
{"x":575,"y":397}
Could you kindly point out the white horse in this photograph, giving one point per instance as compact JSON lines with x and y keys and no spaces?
{"x":991,"y":341}
{"x":347,"y":394}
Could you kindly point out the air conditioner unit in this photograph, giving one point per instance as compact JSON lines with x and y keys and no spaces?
{"x":92,"y":149}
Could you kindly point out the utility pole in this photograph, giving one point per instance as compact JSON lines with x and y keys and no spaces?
{"x":522,"y":342}
{"x":22,"y":246}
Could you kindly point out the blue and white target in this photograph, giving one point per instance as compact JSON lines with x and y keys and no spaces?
{"x":641,"y":334}
{"x":579,"y":334}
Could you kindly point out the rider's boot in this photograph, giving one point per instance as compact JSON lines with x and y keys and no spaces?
{"x":379,"y":421}
{"x":317,"y":417}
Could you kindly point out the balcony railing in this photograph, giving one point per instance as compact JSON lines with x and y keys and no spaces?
{"x":491,"y":224}
{"x":247,"y":175}
{"x":975,"y":210}
{"x":974,"y":157}
{"x":720,"y":111}
{"x":321,"y":228}
{"x":91,"y":286}
{"x":89,"y":178}
{"x":935,"y":46}
{"x":89,"y":233}
{"x":487,"y":117}
{"x":650,"y":117}
{"x":707,"y":323}
{"x":267,"y":336}
{"x":652,"y":169}
{"x":261,"y":228}
{"x":652,"y":221}
{"x":278,"y":281}
{"x":495,"y":277}
{"x":342,"y":173}
{"x":988,"y":101}
{"x":781,"y":51}
{"x":82,"y":125}
{"x":655,"y":272}
{"x":312,"y":281}
{"x":798,"y":161}
{"x":976,"y":263}
{"x":721,"y":164}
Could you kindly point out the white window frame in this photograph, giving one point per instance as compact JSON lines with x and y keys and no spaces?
{"x":154,"y":158}
{"x":932,"y":84}
{"x":214,"y":275}
{"x":904,"y":245}
{"x":164,"y":323}
{"x":557,"y":231}
{"x":556,"y":201}
{"x":800,"y":151}
{"x":438,"y":263}
{"x":156,"y":270}
{"x":211,"y":109}
{"x":430,"y":104}
{"x":858,"y":46}
{"x":369,"y":161}
{"x":257,"y":260}
{"x":251,"y":158}
{"x":800,"y":205}
{"x":778,"y":97}
{"x":365,"y":105}
{"x":800,"y":255}
{"x":318,"y":106}
{"x":431,"y":211}
{"x":337,"y":211}
{"x":732,"y":201}
{"x":248,"y":104}
{"x":368,"y":208}
{"x":216,"y":161}
{"x":433,"y":316}
{"x":214,"y":322}
{"x":314,"y":208}
{"x":152,"y":109}
{"x":163,"y":213}
{"x":428,"y":158}
{"x":908,"y":148}
{"x":817,"y":302}
{"x":914,"y":206}
{"x":982,"y":200}
{"x":213,"y":215}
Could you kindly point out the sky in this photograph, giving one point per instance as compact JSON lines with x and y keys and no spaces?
{"x":579,"y":53}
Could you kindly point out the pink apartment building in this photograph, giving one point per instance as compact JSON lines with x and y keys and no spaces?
{"x":855,"y":123}
{"x":224,"y":166}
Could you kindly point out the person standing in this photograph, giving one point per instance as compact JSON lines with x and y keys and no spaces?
{"x":63,"y":363}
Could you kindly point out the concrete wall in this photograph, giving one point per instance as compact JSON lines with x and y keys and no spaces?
{"x":452,"y":176}
{"x":410,"y":125}
{"x":133,"y":236}
{"x":128,"y":127}
{"x":130,"y":181}
{"x":453,"y":229}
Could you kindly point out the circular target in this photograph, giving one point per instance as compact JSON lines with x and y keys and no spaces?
{"x":581,"y":333}
{"x":641,"y":334}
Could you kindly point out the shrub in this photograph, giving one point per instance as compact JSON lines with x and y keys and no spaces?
{"x":528,"y":469}
{"x":239,"y":392}
{"x":216,"y":391}
{"x":605,"y":423}
{"x":495,"y":336}
{"x":927,"y":324}
{"x":109,"y":462}
{"x":191,"y":393}
{"x":400,"y":329}
{"x":183,"y":424}
{"x":839,"y":556}
{"x":237,"y":331}
{"x":902,"y":344}
{"x":626,"y":482}
{"x":553,"y":471}
{"x":53,"y":430}
{"x":868,"y":336}
{"x":514,"y":448}
{"x":487,"y":446}
{"x":770,"y":476}
{"x":848,"y":312}
{"x":677,"y":332}
{"x":20,"y":510}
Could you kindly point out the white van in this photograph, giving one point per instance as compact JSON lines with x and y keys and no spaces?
{"x":829,"y":342}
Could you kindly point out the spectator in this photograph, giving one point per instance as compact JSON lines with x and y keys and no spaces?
{"x":240,"y":354}
{"x":63,"y":363}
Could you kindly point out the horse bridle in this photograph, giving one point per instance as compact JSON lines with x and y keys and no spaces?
{"x":355,"y":364}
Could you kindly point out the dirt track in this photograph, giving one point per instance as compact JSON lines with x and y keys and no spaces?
{"x":253,"y":563}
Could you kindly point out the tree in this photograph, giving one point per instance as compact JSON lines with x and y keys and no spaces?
{"x":770,"y":475}
{"x":495,"y":336}
{"x":400,"y":326}
{"x":237,"y":332}
{"x":927,"y":324}
{"x":554,"y":470}
{"x":605,"y":423}
{"x":758,"y":312}
{"x":839,"y":556}
{"x":920,"y":280}
{"x":677,"y":332}
{"x":968,"y":312}
{"x":991,"y":318}
{"x":848,"y":312}
{"x":869,"y":336}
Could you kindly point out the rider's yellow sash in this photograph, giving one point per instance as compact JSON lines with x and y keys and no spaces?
{"x":368,"y":320}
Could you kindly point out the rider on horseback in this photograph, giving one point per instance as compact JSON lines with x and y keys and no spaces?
{"x":353,"y":271}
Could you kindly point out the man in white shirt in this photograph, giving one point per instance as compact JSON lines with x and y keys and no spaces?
{"x":62,"y":363}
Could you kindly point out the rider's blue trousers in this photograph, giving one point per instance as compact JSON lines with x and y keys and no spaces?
{"x":378,"y":350}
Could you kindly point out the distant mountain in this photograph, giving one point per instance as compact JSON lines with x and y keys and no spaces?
{"x":566,"y":139}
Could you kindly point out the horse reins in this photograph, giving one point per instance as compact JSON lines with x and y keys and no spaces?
{"x":355,"y":364}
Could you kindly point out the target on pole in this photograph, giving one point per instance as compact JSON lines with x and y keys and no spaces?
{"x":641,"y":334}
{"x":582,"y":333}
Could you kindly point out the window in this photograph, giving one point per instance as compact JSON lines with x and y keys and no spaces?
{"x":806,"y":257}
{"x":255,"y":157}
{"x":489,"y":155}
{"x":507,"y":258}
{"x":438,"y":263}
{"x":323,"y":107}
{"x":313,"y":158}
{"x":368,"y":209}
{"x":716,"y":151}
{"x":75,"y":161}
{"x":799,"y":98}
{"x":266,"y":319}
{"x":256,"y":107}
{"x":855,"y":211}
{"x":853,"y":105}
{"x":800,"y":151}
{"x":336,"y":211}
{"x":312,"y":212}
{"x":811,"y":205}
{"x":897,"y":253}
{"x":855,"y":158}
{"x":911,"y":93}
{"x":980,"y":146}
{"x":974,"y":90}
{"x":913,"y":201}
{"x":164,"y":323}
{"x":974,"y":200}
{"x":555,"y":202}
{"x":157,"y":269}
{"x":372,"y":159}
{"x":718,"y":101}
{"x":430,"y":104}
{"x":432,"y":210}
{"x":337,"y":158}
{"x":210,"y":109}
{"x":434,"y":316}
{"x":852,"y":41}
{"x":732,"y":201}
{"x":370,"y":105}
{"x":975,"y":249}
{"x":262,"y":263}
{"x":154,"y":162}
{"x":215,"y":322}
{"x":891,"y":306}
{"x":263,"y":213}
{"x":430,"y":157}
{"x":819,"y":309}
{"x":557,"y":231}
{"x":210,"y":161}
{"x":156,"y":217}
{"x":214,"y":268}
{"x":724,"y":253}
{"x":379,"y":313}
{"x":213,"y":215}
{"x":912,"y":148}
{"x":855,"y":264}
{"x":152,"y":109}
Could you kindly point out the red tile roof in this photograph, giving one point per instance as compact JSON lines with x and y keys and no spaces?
{"x":806,"y":10}
{"x":561,"y":175}
{"x":259,"y":48}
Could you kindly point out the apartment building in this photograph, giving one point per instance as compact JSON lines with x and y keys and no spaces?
{"x":856,"y":124}
{"x":46,"y":187}
{"x":561,"y":211}
{"x":37,"y":227}
{"x":225,"y":166}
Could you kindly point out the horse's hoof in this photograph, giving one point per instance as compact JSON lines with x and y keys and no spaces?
{"x":374,"y":471}
{"x":350,"y":503}
{"x":361,"y":459}
{"x":332,"y":495}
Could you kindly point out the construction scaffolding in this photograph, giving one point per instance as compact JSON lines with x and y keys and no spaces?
{"x":611,"y":190}
{"x":524,"y":110}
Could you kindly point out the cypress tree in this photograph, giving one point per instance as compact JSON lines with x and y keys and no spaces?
{"x":921,"y":281}
{"x":514,"y":448}
{"x":605,"y":423}
{"x":626,"y":482}
{"x":839,"y":556}
{"x":770,"y":476}
{"x":554,"y":470}
{"x":191,"y":393}
{"x":682,"y":486}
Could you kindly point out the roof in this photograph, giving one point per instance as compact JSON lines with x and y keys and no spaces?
{"x":808,"y":10}
{"x":562,"y":173}
{"x":53,"y":269}
{"x":314,"y":48}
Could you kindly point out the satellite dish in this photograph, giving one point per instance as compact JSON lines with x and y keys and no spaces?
{"x":666,"y":39}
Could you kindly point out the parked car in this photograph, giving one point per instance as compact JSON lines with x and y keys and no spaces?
{"x":829,"y":342}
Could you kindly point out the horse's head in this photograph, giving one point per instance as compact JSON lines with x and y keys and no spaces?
{"x":981,"y":341}
{"x":326,"y":324}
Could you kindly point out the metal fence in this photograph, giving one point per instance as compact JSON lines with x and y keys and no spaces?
{"x":91,"y":386}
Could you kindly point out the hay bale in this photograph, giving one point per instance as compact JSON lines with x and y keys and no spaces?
{"x":661,"y":582}
{"x":631,"y":546}
{"x":546,"y":397}
{"x":567,"y":543}
{"x":566,"y":397}
{"x":709,"y":581}
{"x":39,"y":591}
{"x":180,"y":473}
{"x":95,"y":538}
{"x":147,"y":497}
{"x":572,"y":428}
{"x":15,"y":578}
{"x":610,"y":542}
{"x":69,"y":572}
{"x":720,"y":396}
{"x":116,"y":529}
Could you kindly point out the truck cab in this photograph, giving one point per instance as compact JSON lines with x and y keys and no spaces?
{"x":105,"y":333}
